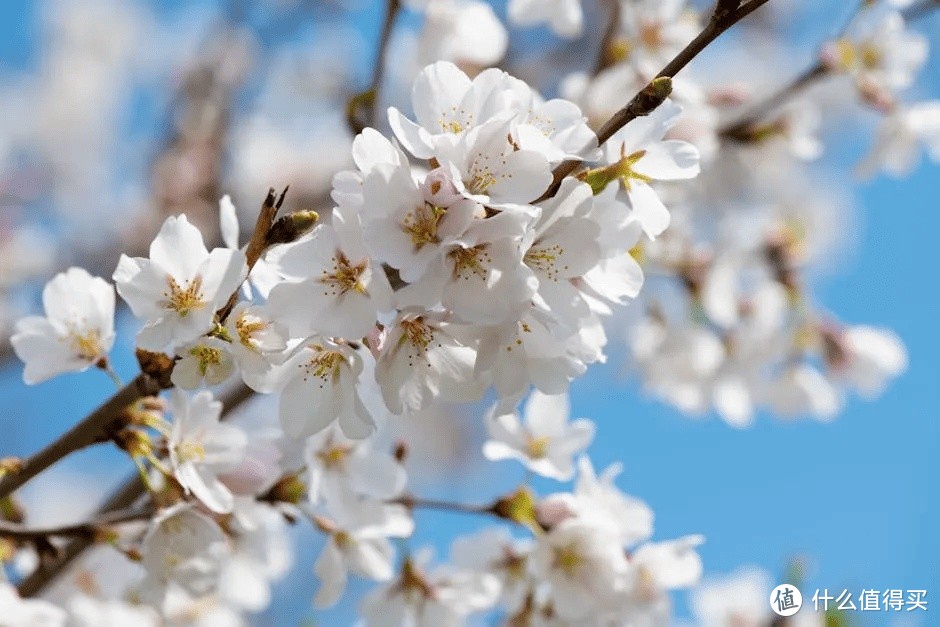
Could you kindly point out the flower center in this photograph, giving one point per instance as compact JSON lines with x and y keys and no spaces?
{"x":567,"y":559}
{"x":544,"y":258}
{"x":626,"y":171}
{"x":850,"y":55}
{"x":538,"y":447}
{"x":345,"y":276}
{"x":325,"y":365}
{"x":183,"y":298}
{"x":191,"y":451}
{"x":206,"y":356}
{"x":417,"y":333}
{"x":455,"y":121}
{"x":421,"y":225}
{"x":523,"y":327}
{"x":87,"y":346}
{"x":246,"y":327}
{"x":469,"y":262}
{"x":335,"y":456}
{"x":651,"y":34}
{"x":481,"y":177}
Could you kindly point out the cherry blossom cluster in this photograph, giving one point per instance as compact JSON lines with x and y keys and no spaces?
{"x":428,"y":283}
{"x":746,"y":335}
{"x":432,"y":282}
{"x":456,"y":266}
{"x":728,"y":320}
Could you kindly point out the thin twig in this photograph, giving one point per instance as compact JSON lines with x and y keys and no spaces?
{"x":259,"y":242}
{"x":360,"y":110}
{"x":413,"y":502}
{"x":86,"y":528}
{"x":739,"y":129}
{"x":653,"y":95}
{"x":605,"y":56}
{"x":105,"y":421}
{"x":392,"y":8}
{"x":129,"y":493}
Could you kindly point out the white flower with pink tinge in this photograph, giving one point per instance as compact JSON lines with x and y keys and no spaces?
{"x":180,"y":287}
{"x":545,"y":442}
{"x":76,"y":332}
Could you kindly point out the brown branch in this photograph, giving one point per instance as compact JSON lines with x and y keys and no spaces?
{"x":920,"y":10}
{"x":97,"y":427}
{"x":740,"y":129}
{"x":105,"y":421}
{"x":657,"y":90}
{"x":360,"y":110}
{"x":605,"y":54}
{"x":123,"y":498}
{"x":259,"y":242}
{"x":412,"y":502}
{"x":86,"y":528}
{"x":127,"y":495}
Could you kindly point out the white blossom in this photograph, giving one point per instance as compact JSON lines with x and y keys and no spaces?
{"x":584,"y":565}
{"x":180,"y":287}
{"x":340,"y":289}
{"x":201,"y":448}
{"x":462,"y":31}
{"x":182,"y":547}
{"x":898,"y":145}
{"x":76,"y":332}
{"x":32,"y":612}
{"x":207,"y":361}
{"x":642,"y":156}
{"x":423,"y":358}
{"x":340,"y":471}
{"x":321,"y":387}
{"x":564,"y":17}
{"x":546,"y":443}
{"x":443,"y":597}
{"x":358,"y":542}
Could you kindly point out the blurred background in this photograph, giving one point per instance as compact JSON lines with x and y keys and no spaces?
{"x":116,"y":113}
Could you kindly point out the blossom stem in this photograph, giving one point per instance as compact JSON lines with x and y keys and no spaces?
{"x":651,"y":96}
{"x":108,"y":370}
{"x":127,"y":495}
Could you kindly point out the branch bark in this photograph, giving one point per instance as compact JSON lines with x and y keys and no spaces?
{"x":86,"y":528}
{"x":360,"y":110}
{"x":126,"y":496}
{"x":97,"y":427}
{"x":605,"y":55}
{"x":650,"y":97}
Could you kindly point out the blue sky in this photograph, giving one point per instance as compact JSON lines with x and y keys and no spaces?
{"x":857,"y":498}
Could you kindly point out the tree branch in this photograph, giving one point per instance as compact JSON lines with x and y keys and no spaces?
{"x":653,"y":95}
{"x":360,"y":110}
{"x":97,"y":427}
{"x":605,"y":55}
{"x":86,"y":528}
{"x":412,"y":502}
{"x":128,"y":494}
{"x":259,"y":242}
{"x":739,"y":129}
